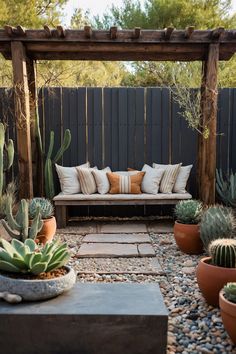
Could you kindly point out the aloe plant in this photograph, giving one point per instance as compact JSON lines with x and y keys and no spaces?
{"x":226,"y":188}
{"x":28,"y":257}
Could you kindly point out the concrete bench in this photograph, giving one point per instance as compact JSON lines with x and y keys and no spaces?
{"x":62,"y":201}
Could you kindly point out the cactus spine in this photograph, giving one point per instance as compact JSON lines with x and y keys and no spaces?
{"x":48,"y":171}
{"x":6,"y":156}
{"x":223,"y":253}
{"x":18,"y":227}
{"x":217,"y":222}
{"x":226,"y":188}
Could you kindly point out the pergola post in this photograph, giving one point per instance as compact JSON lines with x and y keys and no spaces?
{"x":207,"y":147}
{"x":22,"y":116}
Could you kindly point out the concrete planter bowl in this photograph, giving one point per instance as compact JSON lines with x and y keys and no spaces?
{"x":35,"y":290}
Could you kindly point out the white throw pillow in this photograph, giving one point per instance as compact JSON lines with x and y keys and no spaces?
{"x":102,"y":180}
{"x":87,"y":181}
{"x":151,"y":179}
{"x":182,"y":179}
{"x":169,"y":177}
{"x":68,"y":178}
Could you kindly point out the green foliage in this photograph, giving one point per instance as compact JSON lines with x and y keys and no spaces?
{"x":29,"y":258}
{"x":48,"y":172}
{"x":18,"y":226}
{"x":226,"y":188}
{"x":223,"y":252}
{"x":8,"y":196}
{"x":217,"y":222}
{"x":6,"y":156}
{"x":230,"y":292}
{"x":188,"y":211}
{"x":45,"y":206}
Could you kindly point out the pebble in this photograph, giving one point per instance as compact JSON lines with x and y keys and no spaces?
{"x":188,"y":270}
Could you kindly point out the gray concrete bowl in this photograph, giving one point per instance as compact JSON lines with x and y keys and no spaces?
{"x":35,"y":290}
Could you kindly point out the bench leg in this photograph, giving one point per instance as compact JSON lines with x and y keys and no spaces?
{"x":61,"y":216}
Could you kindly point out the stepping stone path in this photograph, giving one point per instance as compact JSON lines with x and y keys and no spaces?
{"x":117,"y":238}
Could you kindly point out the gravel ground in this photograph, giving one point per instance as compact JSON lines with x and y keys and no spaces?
{"x":194,"y":327}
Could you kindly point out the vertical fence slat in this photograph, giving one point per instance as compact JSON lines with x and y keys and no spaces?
{"x":107,"y":127}
{"x":114,"y":131}
{"x":81,"y":125}
{"x":122,"y":116}
{"x":139,"y":135}
{"x":131,"y":111}
{"x":166,"y":126}
{"x":97,"y":119}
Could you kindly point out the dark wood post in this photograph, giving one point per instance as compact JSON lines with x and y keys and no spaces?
{"x":207,"y":147}
{"x":22,"y":116}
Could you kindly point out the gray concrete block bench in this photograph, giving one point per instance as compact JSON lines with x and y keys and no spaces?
{"x":62,"y":201}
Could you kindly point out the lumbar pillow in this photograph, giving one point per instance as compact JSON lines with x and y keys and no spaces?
{"x":152,"y":179}
{"x":121,"y":184}
{"x":87,"y":181}
{"x":169,"y":176}
{"x":68,"y":178}
{"x":102,"y":180}
{"x":182,"y":179}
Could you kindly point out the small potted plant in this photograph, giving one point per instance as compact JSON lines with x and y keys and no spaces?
{"x":34,"y":271}
{"x":186,"y":229}
{"x":227,"y":300}
{"x":215,"y":271}
{"x":49,"y":222}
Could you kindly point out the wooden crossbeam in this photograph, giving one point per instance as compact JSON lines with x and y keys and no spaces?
{"x":88,"y":31}
{"x":137,"y":32}
{"x":47,"y":31}
{"x":61,"y":32}
{"x":113,"y":32}
{"x":189,"y":32}
{"x":10,"y":31}
{"x":20,"y":31}
{"x":168,"y":32}
{"x":217,"y":33}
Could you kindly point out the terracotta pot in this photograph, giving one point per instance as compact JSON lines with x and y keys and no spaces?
{"x":188,"y":238}
{"x":211,"y":279}
{"x":228,"y":314}
{"x":48,"y":230}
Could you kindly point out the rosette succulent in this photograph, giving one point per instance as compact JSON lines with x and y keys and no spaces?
{"x":188,"y":211}
{"x":44,"y":205}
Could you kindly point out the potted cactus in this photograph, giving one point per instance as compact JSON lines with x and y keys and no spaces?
{"x":186,"y":229}
{"x":215,"y":271}
{"x":35,"y":272}
{"x":227,"y":300}
{"x":49,"y":227}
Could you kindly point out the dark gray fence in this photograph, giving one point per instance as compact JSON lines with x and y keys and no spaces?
{"x":126,"y":127}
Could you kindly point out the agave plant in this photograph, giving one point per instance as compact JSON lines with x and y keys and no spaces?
{"x":188,"y":211}
{"x":226,"y":188}
{"x":28,"y":257}
{"x":44,"y":205}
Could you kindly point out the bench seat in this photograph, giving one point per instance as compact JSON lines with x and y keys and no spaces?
{"x":62,"y":201}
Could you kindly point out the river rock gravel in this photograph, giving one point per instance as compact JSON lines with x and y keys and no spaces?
{"x":194,"y":327}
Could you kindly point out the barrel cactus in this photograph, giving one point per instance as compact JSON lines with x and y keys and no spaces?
{"x":188,"y":211}
{"x":45,"y":206}
{"x":217,"y":222}
{"x":29,"y":258}
{"x":230,"y":292}
{"x":6,"y":156}
{"x":18,"y":226}
{"x":223,"y":252}
{"x":48,"y":171}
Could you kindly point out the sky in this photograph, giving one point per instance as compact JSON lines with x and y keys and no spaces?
{"x":97,"y":6}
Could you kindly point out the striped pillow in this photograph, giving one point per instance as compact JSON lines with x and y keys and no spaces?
{"x":87,"y":181}
{"x":130,"y":184}
{"x":169,"y":177}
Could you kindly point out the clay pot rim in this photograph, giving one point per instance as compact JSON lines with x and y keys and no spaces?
{"x":205,"y":259}
{"x":50,"y":217}
{"x":27,"y":281}
{"x":180,"y":223}
{"x":226,"y":305}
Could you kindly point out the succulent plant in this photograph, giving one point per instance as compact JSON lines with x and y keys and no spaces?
{"x":188,"y":211}
{"x":28,"y":257}
{"x":45,"y":206}
{"x":230,"y":292}
{"x":6,"y":156}
{"x":226,"y":188}
{"x":217,"y":222}
{"x":18,"y":227}
{"x":223,"y":252}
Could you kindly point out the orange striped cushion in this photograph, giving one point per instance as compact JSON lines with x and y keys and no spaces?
{"x":125,"y":184}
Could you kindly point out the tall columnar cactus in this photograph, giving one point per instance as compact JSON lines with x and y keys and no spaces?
{"x":230,"y":292}
{"x":223,"y":252}
{"x":217,"y":222}
{"x":18,"y":227}
{"x":226,"y":188}
{"x":48,"y":171}
{"x":6,"y":156}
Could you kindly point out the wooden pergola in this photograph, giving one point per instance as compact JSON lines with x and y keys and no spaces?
{"x":24,"y":47}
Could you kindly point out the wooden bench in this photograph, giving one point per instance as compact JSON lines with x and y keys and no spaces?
{"x":62,"y":201}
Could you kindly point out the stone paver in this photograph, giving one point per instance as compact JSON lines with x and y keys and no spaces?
{"x":80,"y":228}
{"x":107,"y":250}
{"x":146,"y":250}
{"x":123,"y":227}
{"x":160,"y":226}
{"x":117,"y":238}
